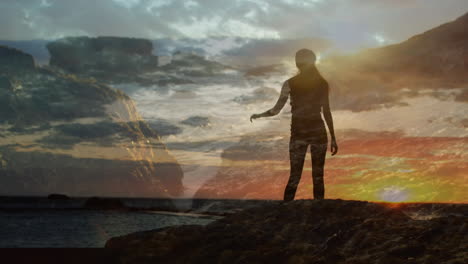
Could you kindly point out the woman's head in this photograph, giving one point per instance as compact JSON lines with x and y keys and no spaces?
{"x":305,"y":58}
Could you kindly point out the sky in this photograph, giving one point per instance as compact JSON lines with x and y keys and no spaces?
{"x":413,"y":149}
{"x":348,"y":24}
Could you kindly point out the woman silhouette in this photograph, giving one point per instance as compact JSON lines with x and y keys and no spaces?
{"x":309,"y":96}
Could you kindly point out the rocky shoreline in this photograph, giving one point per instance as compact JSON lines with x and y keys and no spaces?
{"x":182,"y":206}
{"x":310,"y":231}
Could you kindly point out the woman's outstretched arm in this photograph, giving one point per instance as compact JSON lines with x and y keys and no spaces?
{"x":278,"y":106}
{"x":328,"y":118}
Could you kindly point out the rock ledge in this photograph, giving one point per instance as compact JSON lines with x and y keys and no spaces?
{"x":307,"y":231}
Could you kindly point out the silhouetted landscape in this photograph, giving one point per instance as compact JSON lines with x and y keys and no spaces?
{"x":328,"y":231}
{"x":111,"y":116}
{"x":134,"y":135}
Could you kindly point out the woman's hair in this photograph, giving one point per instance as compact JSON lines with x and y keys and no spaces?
{"x":305,"y":57}
{"x":305,"y":62}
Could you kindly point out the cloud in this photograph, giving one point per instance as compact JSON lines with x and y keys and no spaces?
{"x":462,"y":96}
{"x":103,"y":133}
{"x":278,"y":47}
{"x":459,"y":122}
{"x":263,"y":94}
{"x":371,"y":165}
{"x":347,"y":23}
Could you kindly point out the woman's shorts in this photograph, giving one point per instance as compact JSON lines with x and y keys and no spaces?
{"x":310,"y":131}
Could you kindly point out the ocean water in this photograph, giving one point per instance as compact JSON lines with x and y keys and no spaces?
{"x":80,"y":228}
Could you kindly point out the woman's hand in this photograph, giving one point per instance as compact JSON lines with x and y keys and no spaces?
{"x":254,"y":116}
{"x":334,"y":147}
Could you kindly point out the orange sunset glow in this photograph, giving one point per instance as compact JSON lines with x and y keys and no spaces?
{"x":386,"y":168}
{"x":163,"y":109}
{"x":246,"y":131}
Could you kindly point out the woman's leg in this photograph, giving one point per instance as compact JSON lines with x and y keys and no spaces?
{"x":297,"y":151}
{"x":318,"y":152}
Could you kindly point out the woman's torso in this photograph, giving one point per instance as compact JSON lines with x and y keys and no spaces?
{"x":307,"y":94}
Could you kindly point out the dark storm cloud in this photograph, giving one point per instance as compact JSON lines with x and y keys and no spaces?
{"x":348,"y":24}
{"x":196,"y":121}
{"x":164,"y":127}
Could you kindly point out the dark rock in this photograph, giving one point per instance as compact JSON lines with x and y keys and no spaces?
{"x":303,"y":231}
{"x":407,"y":251}
{"x":196,"y":121}
{"x":104,"y":203}
{"x":35,"y":47}
{"x":5,"y":83}
{"x":225,"y":206}
{"x":7,"y":99}
{"x":12,"y":60}
{"x":52,"y":113}
{"x":57,"y":196}
{"x":164,"y":127}
{"x":117,"y":60}
{"x":48,"y":95}
{"x":193,"y":65}
{"x":102,"y":55}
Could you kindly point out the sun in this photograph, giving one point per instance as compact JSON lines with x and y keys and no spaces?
{"x":318,"y":58}
{"x":394,"y":194}
{"x":380,"y":39}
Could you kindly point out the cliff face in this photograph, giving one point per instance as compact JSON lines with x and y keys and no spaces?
{"x":102,"y":54}
{"x":116,"y":60}
{"x":440,"y":53}
{"x":310,"y":231}
{"x":15,"y":60}
{"x":69,"y":135}
{"x":382,"y":77}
